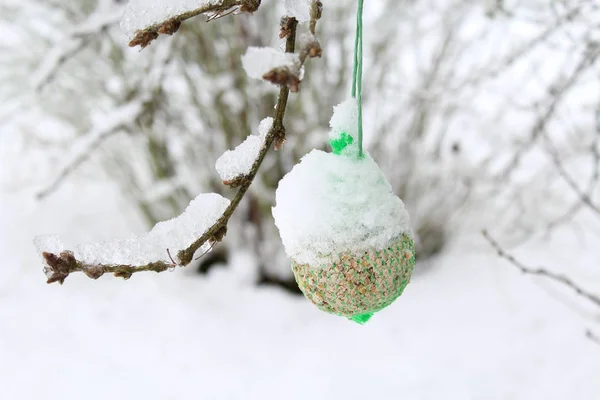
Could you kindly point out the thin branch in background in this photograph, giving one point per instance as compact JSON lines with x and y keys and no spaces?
{"x":594,"y":179}
{"x":500,"y":66}
{"x":562,"y":279}
{"x":557,"y":91}
{"x":84,"y":147}
{"x":114,"y":122}
{"x":592,"y":336}
{"x":55,"y":59}
{"x":583,"y":197}
{"x":77,"y":40}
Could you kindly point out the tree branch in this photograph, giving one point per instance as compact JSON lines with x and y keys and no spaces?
{"x":562,"y":279}
{"x":557,"y":91}
{"x":60,"y":266}
{"x":84,"y":147}
{"x":147,"y":35}
{"x":584,"y":198}
{"x":78,"y":38}
{"x":593,"y":337}
{"x":277,"y":131}
{"x":316,"y":11}
{"x":310,"y":48}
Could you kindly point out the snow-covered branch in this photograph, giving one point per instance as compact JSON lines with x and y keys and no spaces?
{"x":280,"y":68}
{"x":145,"y":20}
{"x":234,"y":166}
{"x":123,"y":258}
{"x":147,"y":252}
{"x":286,"y":69}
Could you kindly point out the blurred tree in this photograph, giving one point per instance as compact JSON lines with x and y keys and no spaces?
{"x":461,"y":102}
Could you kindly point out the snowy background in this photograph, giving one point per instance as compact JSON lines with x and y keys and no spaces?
{"x":469,"y":326}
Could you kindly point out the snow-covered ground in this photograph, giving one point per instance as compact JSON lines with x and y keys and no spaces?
{"x":470,"y":328}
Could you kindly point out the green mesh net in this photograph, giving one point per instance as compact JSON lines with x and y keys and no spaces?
{"x":357,"y":286}
{"x":339,"y":144}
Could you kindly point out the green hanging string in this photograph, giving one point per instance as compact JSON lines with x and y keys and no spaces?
{"x":339,"y":144}
{"x":357,"y":73}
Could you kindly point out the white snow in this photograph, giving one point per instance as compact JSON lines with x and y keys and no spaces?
{"x":345,"y":120}
{"x":329,"y":204}
{"x":299,"y":9}
{"x":259,"y":60}
{"x":140,"y":14}
{"x":175,"y":234}
{"x":304,"y":39}
{"x":238,"y":162}
{"x":472,"y":327}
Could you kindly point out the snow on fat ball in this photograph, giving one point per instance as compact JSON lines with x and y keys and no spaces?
{"x":330,"y":204}
{"x":175,"y":234}
{"x":237,"y":163}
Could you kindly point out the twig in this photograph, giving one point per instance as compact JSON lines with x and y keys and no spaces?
{"x":60,"y":266}
{"x":562,"y":279}
{"x":585,"y":198}
{"x":113,"y":122}
{"x":311,"y":48}
{"x":593,"y":337}
{"x":147,"y":35}
{"x":558,"y":91}
{"x":81,"y":36}
{"x":78,"y":40}
{"x":212,"y":246}
{"x":171,"y":257}
{"x":575,"y":208}
{"x":316,"y":11}
{"x":512,"y":58}
{"x":119,"y":118}
{"x":55,"y":59}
